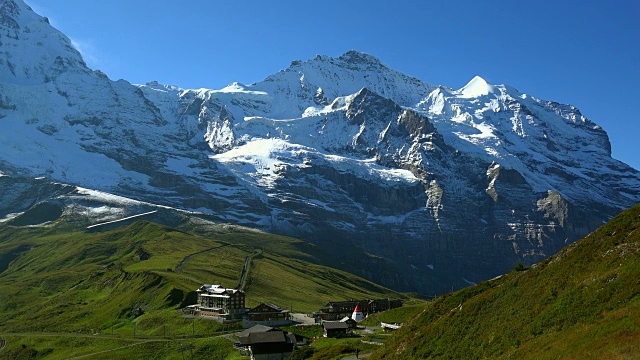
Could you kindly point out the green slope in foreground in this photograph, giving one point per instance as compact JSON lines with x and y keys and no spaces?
{"x":135,"y":278}
{"x":583,"y":303}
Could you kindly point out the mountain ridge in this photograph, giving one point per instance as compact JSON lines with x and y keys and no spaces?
{"x":450,"y":185}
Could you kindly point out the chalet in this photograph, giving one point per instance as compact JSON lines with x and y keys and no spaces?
{"x":334,"y":328}
{"x":339,"y":309}
{"x":268,"y":345}
{"x":255,"y":329}
{"x":219,"y":302}
{"x":267,"y":314}
{"x":351,"y":324}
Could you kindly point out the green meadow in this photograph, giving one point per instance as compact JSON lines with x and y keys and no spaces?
{"x":67,"y":293}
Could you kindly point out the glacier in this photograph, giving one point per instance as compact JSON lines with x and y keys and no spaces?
{"x":440,"y":187}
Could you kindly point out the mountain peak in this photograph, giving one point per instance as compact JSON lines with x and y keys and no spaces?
{"x":368,"y":97}
{"x":339,"y":76}
{"x":344,"y":146}
{"x":476,"y":87}
{"x":357,"y":57}
{"x":33,"y":49}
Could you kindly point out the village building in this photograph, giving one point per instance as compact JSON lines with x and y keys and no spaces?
{"x":220,"y":303}
{"x":351,"y":323}
{"x":255,"y":329}
{"x":334,"y":328}
{"x":267,"y":314}
{"x":357,"y":315}
{"x":336,"y":310}
{"x":268,"y":345}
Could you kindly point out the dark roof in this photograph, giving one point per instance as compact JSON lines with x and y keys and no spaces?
{"x":332,"y":305}
{"x":267,"y":337}
{"x":363,"y":301}
{"x":345,"y":303}
{"x":276,"y":336}
{"x":255,"y":329}
{"x":272,"y":306}
{"x":334,"y":325}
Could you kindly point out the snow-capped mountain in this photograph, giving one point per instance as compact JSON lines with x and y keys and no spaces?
{"x":440,"y":187}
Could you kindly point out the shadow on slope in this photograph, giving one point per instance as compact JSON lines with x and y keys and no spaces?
{"x":582,"y":302}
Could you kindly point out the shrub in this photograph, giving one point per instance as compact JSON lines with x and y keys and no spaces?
{"x":302,"y":353}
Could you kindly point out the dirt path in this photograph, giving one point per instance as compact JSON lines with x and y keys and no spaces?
{"x":115,"y":349}
{"x":245,"y":269}
{"x":188,"y":257}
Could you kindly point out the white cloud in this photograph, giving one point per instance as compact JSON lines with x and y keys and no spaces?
{"x":88,"y":51}
{"x":95,"y":57}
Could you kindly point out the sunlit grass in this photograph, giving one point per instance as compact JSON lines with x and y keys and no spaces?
{"x":583,"y":302}
{"x":131,"y":281}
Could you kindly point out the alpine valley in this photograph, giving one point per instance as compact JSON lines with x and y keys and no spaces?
{"x":434,"y":187}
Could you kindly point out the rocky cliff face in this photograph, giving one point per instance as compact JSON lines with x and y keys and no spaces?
{"x":438,"y":187}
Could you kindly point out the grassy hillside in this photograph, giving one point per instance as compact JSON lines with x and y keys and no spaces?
{"x":397,"y":315}
{"x":583,"y":302}
{"x":133,"y":280}
{"x":66,"y":346}
{"x":78,"y":282}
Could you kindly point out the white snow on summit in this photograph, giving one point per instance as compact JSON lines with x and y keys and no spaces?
{"x":236,"y":87}
{"x":476,"y":87}
{"x":342,"y":119}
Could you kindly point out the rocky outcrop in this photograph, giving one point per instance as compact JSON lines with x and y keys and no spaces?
{"x":431,"y":187}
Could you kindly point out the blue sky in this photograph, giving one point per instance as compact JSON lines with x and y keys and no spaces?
{"x":585,"y":53}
